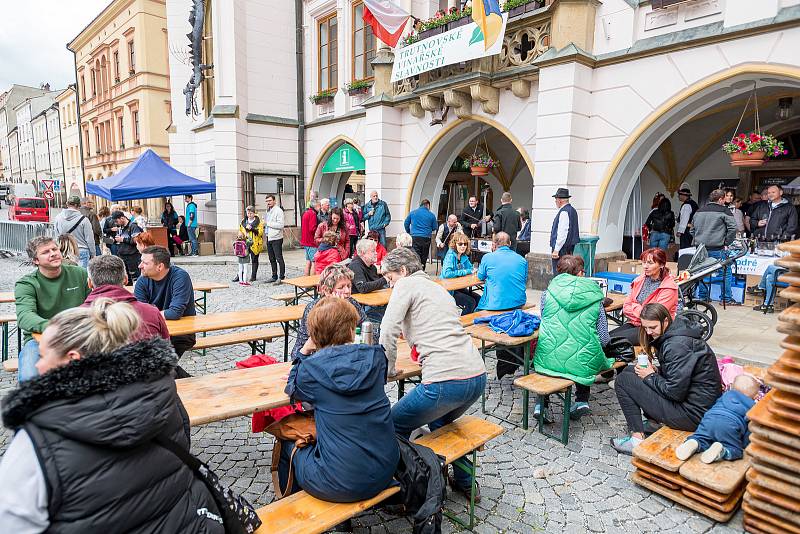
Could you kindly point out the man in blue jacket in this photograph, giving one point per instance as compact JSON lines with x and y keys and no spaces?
{"x":421,"y":223}
{"x":168,"y":288}
{"x":377,"y":216}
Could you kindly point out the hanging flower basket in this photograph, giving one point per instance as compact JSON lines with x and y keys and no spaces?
{"x":752,"y":149}
{"x":480,"y":164}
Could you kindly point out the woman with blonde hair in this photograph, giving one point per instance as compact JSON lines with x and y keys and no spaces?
{"x":69,"y":249}
{"x":86,"y":455}
{"x":456,"y":263}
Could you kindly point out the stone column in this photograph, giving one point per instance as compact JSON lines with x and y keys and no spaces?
{"x":382,"y":154}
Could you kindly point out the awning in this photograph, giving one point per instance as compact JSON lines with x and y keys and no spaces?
{"x":346,"y":158}
{"x":148,"y":177}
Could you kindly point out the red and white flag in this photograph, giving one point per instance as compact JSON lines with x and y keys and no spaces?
{"x":387,"y":20}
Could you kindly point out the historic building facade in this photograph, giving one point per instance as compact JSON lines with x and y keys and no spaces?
{"x":614,"y":100}
{"x":123,"y":88}
{"x":9,"y":138}
{"x":70,"y":140}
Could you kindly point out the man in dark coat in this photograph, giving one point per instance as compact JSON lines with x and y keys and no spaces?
{"x":774,"y":219}
{"x":474,"y":218}
{"x":564,"y":234}
{"x":506,"y":219}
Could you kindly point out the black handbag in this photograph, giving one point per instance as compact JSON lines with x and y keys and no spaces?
{"x":238,"y":515}
{"x":620,"y":349}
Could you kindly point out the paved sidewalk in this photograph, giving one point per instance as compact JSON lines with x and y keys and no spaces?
{"x":529,"y":483}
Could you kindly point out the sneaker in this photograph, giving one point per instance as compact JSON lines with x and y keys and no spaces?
{"x":731,"y":303}
{"x":685,"y":450}
{"x":625,"y":445}
{"x":548,"y":419}
{"x":714,"y":453}
{"x":235,"y":279}
{"x":273,"y":280}
{"x":650,"y":427}
{"x":578,"y":410}
{"x":755,"y":290}
{"x":464,"y":491}
{"x":764,"y":308}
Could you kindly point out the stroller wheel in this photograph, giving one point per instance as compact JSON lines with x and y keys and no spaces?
{"x":707,"y":309}
{"x":702,"y":320}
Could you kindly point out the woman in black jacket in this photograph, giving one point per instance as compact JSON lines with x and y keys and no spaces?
{"x":84,"y":457}
{"x":169,"y":219}
{"x":683,"y":388}
{"x":661,"y":223}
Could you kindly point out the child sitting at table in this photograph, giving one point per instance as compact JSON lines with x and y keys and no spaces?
{"x":723,"y":432}
{"x":327,"y":252}
{"x":240,"y":249}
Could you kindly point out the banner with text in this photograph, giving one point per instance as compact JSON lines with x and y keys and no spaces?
{"x":461,"y":44}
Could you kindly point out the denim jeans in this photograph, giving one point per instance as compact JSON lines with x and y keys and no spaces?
{"x":375,"y":313}
{"x":660,"y":240}
{"x":768,"y":281}
{"x":192,"y":231}
{"x":98,"y":251}
{"x":728,"y":275}
{"x":382,"y":235}
{"x":437,"y":405}
{"x":28,"y":357}
{"x":83,"y":257}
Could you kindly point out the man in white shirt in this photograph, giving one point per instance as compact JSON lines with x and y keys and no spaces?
{"x":273,"y":221}
{"x":564,"y":234}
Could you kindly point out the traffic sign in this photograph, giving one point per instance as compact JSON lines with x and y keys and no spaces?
{"x":49,"y":195}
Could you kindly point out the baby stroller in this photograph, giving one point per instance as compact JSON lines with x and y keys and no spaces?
{"x":700,"y":265}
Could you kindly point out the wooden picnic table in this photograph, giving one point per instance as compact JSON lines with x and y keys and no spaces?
{"x":238,"y":319}
{"x":241,"y":392}
{"x":304,"y":286}
{"x":7,"y":296}
{"x":381,"y":297}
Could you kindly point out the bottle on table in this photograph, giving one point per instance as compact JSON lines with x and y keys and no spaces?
{"x":367,"y":333}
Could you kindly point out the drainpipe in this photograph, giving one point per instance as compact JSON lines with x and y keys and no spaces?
{"x":78,"y":118}
{"x":301,"y":109}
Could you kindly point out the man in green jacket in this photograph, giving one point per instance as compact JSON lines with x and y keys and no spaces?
{"x":40,"y":295}
{"x":573,"y":332}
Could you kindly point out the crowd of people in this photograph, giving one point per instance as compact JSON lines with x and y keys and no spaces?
{"x":110,"y":355}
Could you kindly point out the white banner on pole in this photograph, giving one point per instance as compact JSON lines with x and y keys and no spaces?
{"x":461,"y":44}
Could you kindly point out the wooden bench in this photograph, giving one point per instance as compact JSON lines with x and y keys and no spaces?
{"x":302,"y":513}
{"x":11,"y":365}
{"x":543,"y":386}
{"x":714,"y":490}
{"x":257,"y":339}
{"x":287,"y":298}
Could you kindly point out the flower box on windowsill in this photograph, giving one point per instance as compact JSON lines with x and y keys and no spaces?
{"x":523,"y":8}
{"x":463,"y":21}
{"x":323,"y":100}
{"x":432,"y":31}
{"x":359,"y":90}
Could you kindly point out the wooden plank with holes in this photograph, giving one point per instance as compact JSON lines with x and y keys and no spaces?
{"x":659,"y":448}
{"x":658,"y":480}
{"x":788,"y":328}
{"x":682,"y":499}
{"x":789,"y":262}
{"x":790,"y":315}
{"x":681,"y":482}
{"x":791,"y":343}
{"x":11,"y":365}
{"x":792,"y":247}
{"x":775,"y":447}
{"x":302,"y":513}
{"x":722,"y":477}
{"x":777,"y":511}
{"x":781,"y":384}
{"x":774,"y":524}
{"x":761,"y":415}
{"x":791,"y":278}
{"x":752,"y":526}
{"x":784,"y":372}
{"x":782,"y":411}
{"x":731,"y":504}
{"x":788,"y":400}
{"x":791,"y":359}
{"x":775,"y":472}
{"x":775,"y":435}
{"x":754,"y":476}
{"x":790,"y":293}
{"x":6,"y":296}
{"x":774,"y":458}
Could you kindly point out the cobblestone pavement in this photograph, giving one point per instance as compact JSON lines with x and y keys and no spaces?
{"x":529,"y":483}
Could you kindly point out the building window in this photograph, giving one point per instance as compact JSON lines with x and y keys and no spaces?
{"x":83,"y":89}
{"x":116,"y":66}
{"x":97,"y":139}
{"x":131,"y":58}
{"x":328,"y":73}
{"x":135,"y":117}
{"x":121,"y":133}
{"x":88,"y":147}
{"x":363,"y":45}
{"x":94,"y":83}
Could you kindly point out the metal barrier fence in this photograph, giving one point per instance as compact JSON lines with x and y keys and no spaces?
{"x":15,"y":235}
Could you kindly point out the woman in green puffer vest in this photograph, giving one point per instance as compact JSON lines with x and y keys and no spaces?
{"x":573,"y":332}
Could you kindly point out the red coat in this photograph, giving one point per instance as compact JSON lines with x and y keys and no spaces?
{"x":152,"y":322}
{"x":666,"y":294}
{"x":308,"y":225}
{"x":343,"y":244}
{"x":381,"y":251}
{"x":326,"y":257}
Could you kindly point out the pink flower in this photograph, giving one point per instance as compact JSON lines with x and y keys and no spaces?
{"x":785,"y":152}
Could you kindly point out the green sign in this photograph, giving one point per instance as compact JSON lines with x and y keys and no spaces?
{"x":345,"y":158}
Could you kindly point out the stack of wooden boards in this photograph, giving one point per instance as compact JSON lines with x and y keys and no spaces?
{"x":772,"y":500}
{"x":714,"y":490}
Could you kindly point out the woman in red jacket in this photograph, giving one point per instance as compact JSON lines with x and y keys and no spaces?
{"x":327,"y":253}
{"x":336,"y":225}
{"x":657,"y":285}
{"x":308,"y":227}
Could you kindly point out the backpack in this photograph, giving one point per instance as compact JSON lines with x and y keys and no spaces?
{"x":240,"y":249}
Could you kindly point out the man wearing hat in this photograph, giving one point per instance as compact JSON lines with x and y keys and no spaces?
{"x":685,"y":217}
{"x":565,"y":233}
{"x":72,"y":221}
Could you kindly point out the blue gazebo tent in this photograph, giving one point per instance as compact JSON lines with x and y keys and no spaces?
{"x":148,"y":177}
